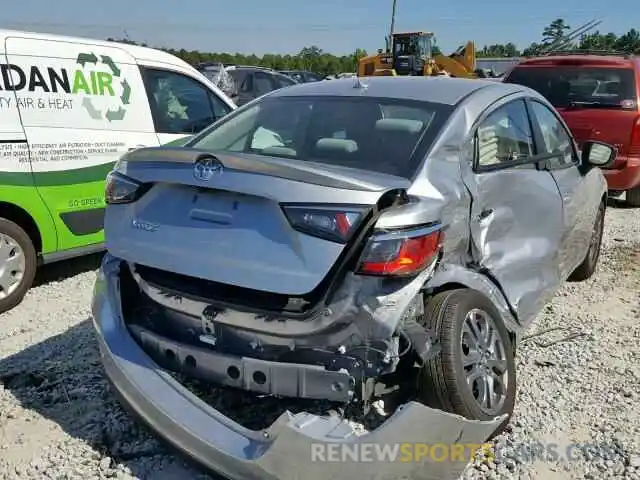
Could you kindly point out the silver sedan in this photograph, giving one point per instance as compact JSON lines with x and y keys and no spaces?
{"x":370,"y":242}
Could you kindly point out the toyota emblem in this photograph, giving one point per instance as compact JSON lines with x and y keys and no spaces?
{"x":206,"y":168}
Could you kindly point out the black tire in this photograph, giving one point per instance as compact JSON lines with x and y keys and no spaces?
{"x":442,"y":383}
{"x":587,"y":268}
{"x":14,"y":231}
{"x":633,"y":197}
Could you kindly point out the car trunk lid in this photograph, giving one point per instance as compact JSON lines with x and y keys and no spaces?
{"x":243,"y":226}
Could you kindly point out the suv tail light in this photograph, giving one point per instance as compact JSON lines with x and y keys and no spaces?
{"x":401,"y":253}
{"x":335,"y":224}
{"x":634,"y":146}
{"x":122,"y":189}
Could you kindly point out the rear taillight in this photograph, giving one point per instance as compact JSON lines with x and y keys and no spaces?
{"x":401,"y":253}
{"x":122,"y":189}
{"x":335,"y":224}
{"x":634,"y":146}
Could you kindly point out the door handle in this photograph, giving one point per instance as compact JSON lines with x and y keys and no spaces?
{"x":485,"y":213}
{"x":136,"y":147}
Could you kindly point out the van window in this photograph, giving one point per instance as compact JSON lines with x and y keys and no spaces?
{"x":180,"y":104}
{"x":578,"y":86}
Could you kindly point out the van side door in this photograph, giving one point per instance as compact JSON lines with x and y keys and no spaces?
{"x":16,"y":180}
{"x":82,"y":106}
{"x":181,"y":105}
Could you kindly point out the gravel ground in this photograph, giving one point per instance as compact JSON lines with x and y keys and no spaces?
{"x":59,"y":420}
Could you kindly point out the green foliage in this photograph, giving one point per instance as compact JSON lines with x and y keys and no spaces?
{"x":314,"y":59}
{"x":311,"y":58}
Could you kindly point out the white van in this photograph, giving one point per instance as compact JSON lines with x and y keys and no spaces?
{"x":69,"y":107}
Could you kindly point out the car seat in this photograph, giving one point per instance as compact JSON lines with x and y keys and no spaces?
{"x":396,"y":140}
{"x":488,"y":145}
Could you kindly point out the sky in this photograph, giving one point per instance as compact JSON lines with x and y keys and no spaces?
{"x":286,"y":26}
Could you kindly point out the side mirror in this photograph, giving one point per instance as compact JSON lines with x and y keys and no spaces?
{"x":598,"y":154}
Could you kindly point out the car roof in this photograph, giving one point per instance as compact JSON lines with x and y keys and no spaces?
{"x":444,"y":90}
{"x":251,"y":67}
{"x":136,"y":51}
{"x":577,"y":60}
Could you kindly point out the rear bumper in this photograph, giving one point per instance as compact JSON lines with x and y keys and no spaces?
{"x":265,"y":377}
{"x":295,"y":446}
{"x":623,"y":177}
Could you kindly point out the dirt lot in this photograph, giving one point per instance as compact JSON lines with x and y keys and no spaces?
{"x":58,"y":418}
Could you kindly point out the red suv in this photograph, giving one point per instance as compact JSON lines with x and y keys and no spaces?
{"x":598,"y":96}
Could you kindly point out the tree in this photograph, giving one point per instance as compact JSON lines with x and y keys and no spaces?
{"x":629,"y":42}
{"x":554,"y":32}
{"x":314,"y":58}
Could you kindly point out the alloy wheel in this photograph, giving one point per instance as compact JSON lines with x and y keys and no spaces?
{"x":484,"y":361}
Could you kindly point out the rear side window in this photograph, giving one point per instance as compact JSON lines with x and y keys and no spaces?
{"x":263,"y":83}
{"x":375,"y":134}
{"x":283,"y":81}
{"x":237,"y":75}
{"x":580,"y":86}
{"x":297,"y":77}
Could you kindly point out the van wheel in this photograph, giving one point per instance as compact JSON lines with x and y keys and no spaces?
{"x":474,"y":375}
{"x":17,"y":264}
{"x":633,"y":197}
{"x":587,"y":268}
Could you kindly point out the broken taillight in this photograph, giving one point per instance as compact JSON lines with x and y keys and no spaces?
{"x":401,"y":253}
{"x":335,"y":224}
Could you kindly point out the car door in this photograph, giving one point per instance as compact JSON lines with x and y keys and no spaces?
{"x":82,"y":106}
{"x":579,"y":207}
{"x":516,"y":218}
{"x":180,"y":105}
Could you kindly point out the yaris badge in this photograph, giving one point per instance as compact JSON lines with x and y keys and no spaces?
{"x":206,"y":168}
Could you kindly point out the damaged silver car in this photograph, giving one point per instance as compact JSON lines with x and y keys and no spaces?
{"x":370,"y":242}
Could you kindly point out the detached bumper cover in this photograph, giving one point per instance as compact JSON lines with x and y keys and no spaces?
{"x":294,"y":446}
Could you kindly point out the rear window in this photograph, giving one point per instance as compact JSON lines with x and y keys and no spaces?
{"x":375,"y":134}
{"x":579,"y":86}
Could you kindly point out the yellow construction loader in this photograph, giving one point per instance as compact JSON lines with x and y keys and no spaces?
{"x":412,"y":54}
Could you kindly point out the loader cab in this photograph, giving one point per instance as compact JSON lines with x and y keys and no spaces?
{"x":411,"y":51}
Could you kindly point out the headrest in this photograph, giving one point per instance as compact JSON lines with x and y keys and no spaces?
{"x":399,"y":125}
{"x":337,"y":145}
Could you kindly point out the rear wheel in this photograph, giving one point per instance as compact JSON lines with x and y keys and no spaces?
{"x":587,"y":268}
{"x":17,"y":264}
{"x":633,"y":197}
{"x":474,"y":375}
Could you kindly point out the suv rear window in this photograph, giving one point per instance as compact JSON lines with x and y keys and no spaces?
{"x":578,"y":86}
{"x":374,"y":134}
